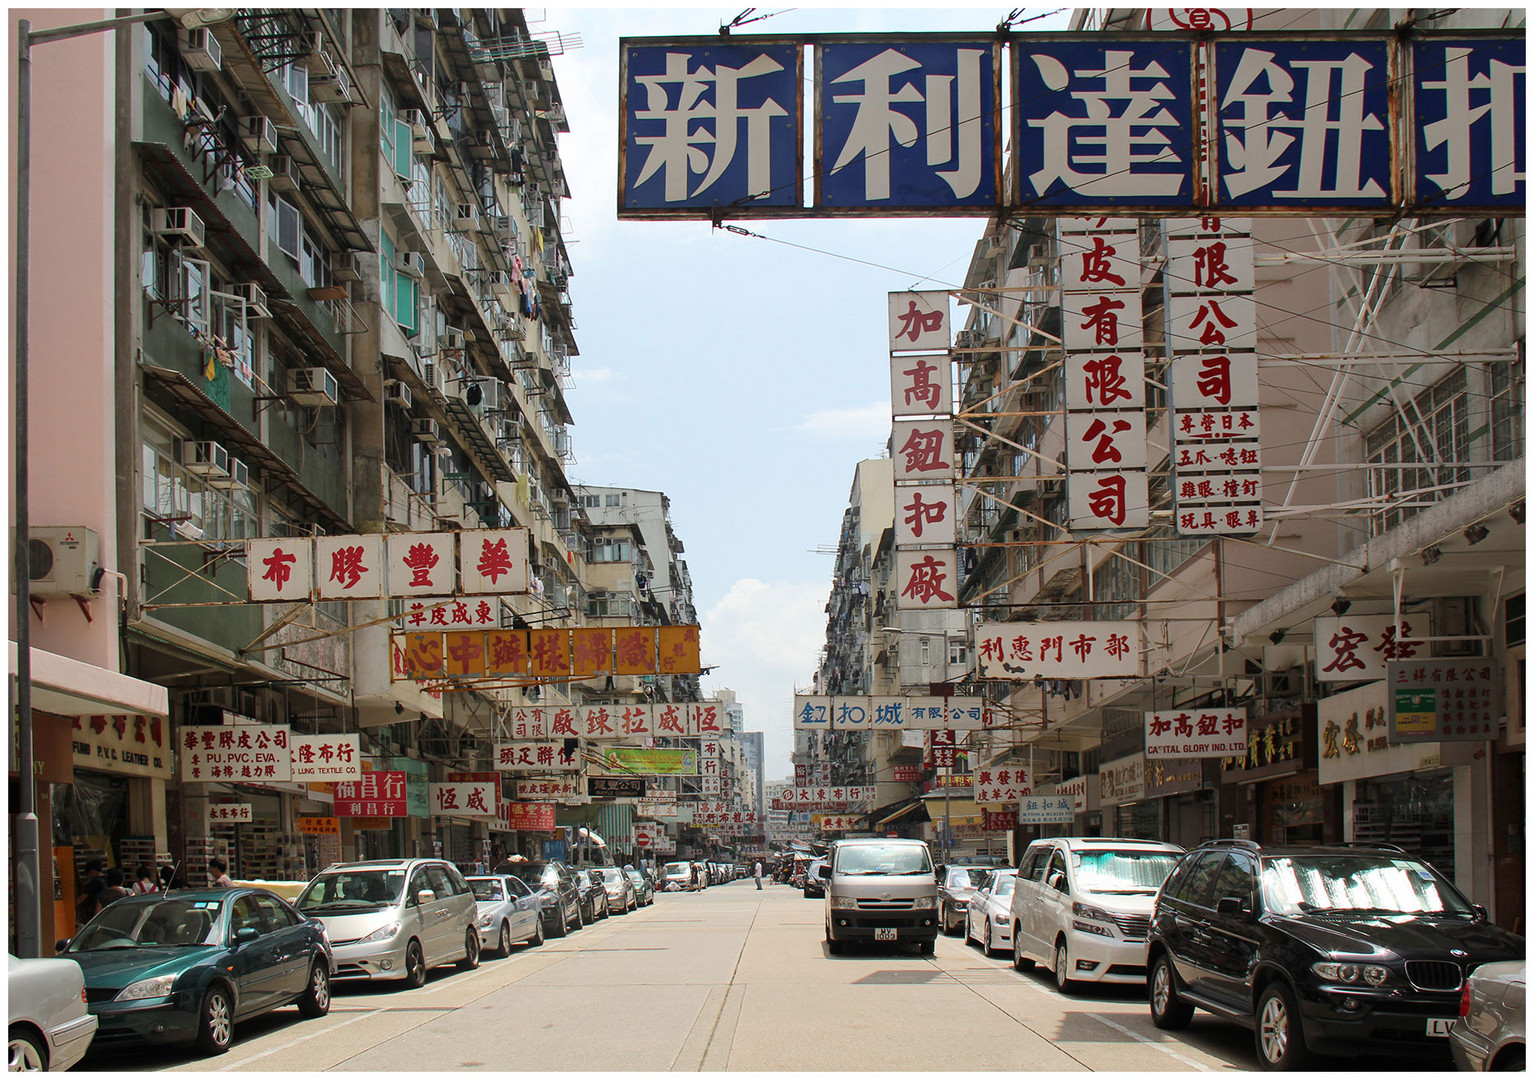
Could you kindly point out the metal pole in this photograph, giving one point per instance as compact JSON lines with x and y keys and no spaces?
{"x":29,"y":916}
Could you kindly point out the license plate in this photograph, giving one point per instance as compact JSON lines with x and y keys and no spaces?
{"x":884,"y":933}
{"x":1439,"y":1027}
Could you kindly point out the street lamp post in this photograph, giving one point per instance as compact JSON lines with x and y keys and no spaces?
{"x":28,"y":899}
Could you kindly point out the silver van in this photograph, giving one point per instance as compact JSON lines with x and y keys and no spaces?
{"x":880,"y":890}
{"x":1082,"y":905}
{"x":394,"y":918}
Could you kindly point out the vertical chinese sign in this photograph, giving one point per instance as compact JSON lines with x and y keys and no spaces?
{"x":1211,"y":340}
{"x":922,"y":447}
{"x":1106,"y":461}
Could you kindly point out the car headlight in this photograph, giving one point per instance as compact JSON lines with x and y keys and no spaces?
{"x":1087,"y":911}
{"x":925,"y":903}
{"x":319,"y":925}
{"x":1001,"y":917}
{"x":159,"y":986}
{"x":383,"y":933}
{"x":844,"y":903}
{"x":485,"y":920}
{"x":1373,"y":974}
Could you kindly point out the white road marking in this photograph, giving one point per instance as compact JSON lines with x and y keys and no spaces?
{"x":1150,"y":1042}
{"x":294,"y":1042}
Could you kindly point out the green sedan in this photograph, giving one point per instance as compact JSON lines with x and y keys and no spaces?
{"x":183,"y":967}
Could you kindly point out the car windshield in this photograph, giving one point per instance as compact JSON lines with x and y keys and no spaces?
{"x":1123,"y":871}
{"x":966,"y":877}
{"x":1004,"y":886}
{"x":676,"y":868}
{"x":162,"y":922}
{"x":352,"y":890}
{"x":533,"y":873}
{"x":634,"y":876}
{"x":883,"y":859}
{"x":487,"y":888}
{"x":1374,"y":884}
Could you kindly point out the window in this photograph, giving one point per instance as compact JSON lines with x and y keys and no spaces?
{"x":1238,"y":877}
{"x":400,"y":294}
{"x":1507,"y":409}
{"x":957,"y":653}
{"x":1421,"y":460}
{"x":926,"y":652}
{"x":611,"y":549}
{"x":614,"y":499}
{"x":1192,"y":885}
{"x":283,"y":224}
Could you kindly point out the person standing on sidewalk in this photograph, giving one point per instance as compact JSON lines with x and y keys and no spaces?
{"x":756,"y":872}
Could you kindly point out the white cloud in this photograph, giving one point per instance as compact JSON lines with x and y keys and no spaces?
{"x":765,"y":639}
{"x":595,"y":375}
{"x":864,"y":422}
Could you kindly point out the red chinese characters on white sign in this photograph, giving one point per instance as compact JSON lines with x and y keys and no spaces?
{"x":1357,"y":648}
{"x":928,"y":577}
{"x":420,"y":564}
{"x":241,"y":752}
{"x":541,"y":756}
{"x":923,"y":449}
{"x":464,"y":613}
{"x":471,"y":800}
{"x":925,"y":515}
{"x":493,"y":560}
{"x":1003,"y":784}
{"x":1059,"y":650}
{"x":921,"y":385}
{"x":348,"y":567}
{"x":229,"y":813}
{"x":918,"y":322}
{"x":1195,"y":733}
{"x":280,"y":568}
{"x":326,"y":757}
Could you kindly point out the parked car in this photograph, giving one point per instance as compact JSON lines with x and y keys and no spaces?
{"x":880,"y":890}
{"x":676,"y":875}
{"x":555,"y":887}
{"x":50,"y":1026}
{"x":987,"y":862}
{"x":699,"y":876}
{"x":593,"y":895}
{"x":813,"y":885}
{"x":1082,"y":905}
{"x":621,"y":895}
{"x":184,"y":967}
{"x":955,"y":885}
{"x":644,"y":885}
{"x":394,"y":919}
{"x":1488,"y":1036}
{"x":507,"y":911}
{"x":988,"y":919}
{"x":1344,"y":950}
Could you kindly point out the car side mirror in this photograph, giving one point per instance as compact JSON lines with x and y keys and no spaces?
{"x":1480,"y":912}
{"x":425,"y":896}
{"x":824,"y":873}
{"x":246,"y":934}
{"x":1230,"y":905}
{"x":1057,"y":882}
{"x":61,"y":944}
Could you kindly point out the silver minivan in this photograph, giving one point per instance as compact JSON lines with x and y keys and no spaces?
{"x":1082,"y":905}
{"x":394,"y":918}
{"x":880,"y":889}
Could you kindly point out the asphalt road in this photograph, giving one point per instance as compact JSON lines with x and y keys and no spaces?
{"x":727,"y":979}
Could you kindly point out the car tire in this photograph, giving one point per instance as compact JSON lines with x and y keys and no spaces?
{"x":1280,"y":1033}
{"x":560,"y":926}
{"x":1019,"y":961}
{"x":928,"y":947}
{"x":1063,"y":981}
{"x":1169,"y":1011}
{"x":215,"y":1021}
{"x":537,"y":938}
{"x":986,"y":945}
{"x":314,"y":1002}
{"x":470,"y":959}
{"x":833,"y":946}
{"x":1510,"y":1060}
{"x":415,"y":966}
{"x":503,"y":940}
{"x":580,"y":918}
{"x":29,"y":1051}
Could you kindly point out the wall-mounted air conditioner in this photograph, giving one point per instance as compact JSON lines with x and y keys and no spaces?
{"x":62,"y":561}
{"x":334,"y":88}
{"x":259,"y":134}
{"x":237,"y":480}
{"x":411,"y":264}
{"x":285,"y":174}
{"x":489,"y":393}
{"x":418,"y":121}
{"x":450,"y":340}
{"x":345,"y":267}
{"x":313,"y":386}
{"x":465,"y":217}
{"x":178,"y":222}
{"x":434,"y":375}
{"x":200,"y":50}
{"x":425,"y":430}
{"x":396,"y":393}
{"x":205,"y":458}
{"x":254,"y":297}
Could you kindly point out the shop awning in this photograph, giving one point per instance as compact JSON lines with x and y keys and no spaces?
{"x":958,"y":811}
{"x":69,"y":687}
{"x":907,"y":810}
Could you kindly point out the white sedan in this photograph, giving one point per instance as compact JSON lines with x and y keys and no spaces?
{"x":988,"y":919}
{"x":50,"y":1026}
{"x":507,"y":911}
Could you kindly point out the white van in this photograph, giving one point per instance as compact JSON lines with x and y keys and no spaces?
{"x":1082,"y":905}
{"x":880,"y":890}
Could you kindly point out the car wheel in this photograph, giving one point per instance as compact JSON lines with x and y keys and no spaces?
{"x":470,"y":959}
{"x":929,"y":947}
{"x":1063,"y":981}
{"x":1280,"y":1036}
{"x":1510,"y":1060}
{"x":28,"y":1052}
{"x":985,"y":942}
{"x":415,"y":966}
{"x":537,"y":938}
{"x":315,"y":1000}
{"x":833,"y":946}
{"x":560,"y":926}
{"x":215,"y":1022}
{"x":1168,"y":1011}
{"x":1019,"y":961}
{"x":580,"y":919}
{"x":503,"y":943}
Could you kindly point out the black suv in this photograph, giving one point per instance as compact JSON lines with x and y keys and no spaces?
{"x":558,"y":895}
{"x":1344,"y":949}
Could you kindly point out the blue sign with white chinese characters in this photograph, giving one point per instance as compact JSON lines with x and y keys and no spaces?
{"x":708,"y":123}
{"x":1104,"y":123}
{"x":1303,"y":123}
{"x":907,"y":125}
{"x":1471,"y":122}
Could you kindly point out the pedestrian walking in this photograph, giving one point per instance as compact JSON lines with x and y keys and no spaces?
{"x":143,"y":881}
{"x":218,"y":870}
{"x":756,"y":872}
{"x":116,"y":888}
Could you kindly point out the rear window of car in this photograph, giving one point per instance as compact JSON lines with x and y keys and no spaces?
{"x":487,"y":889}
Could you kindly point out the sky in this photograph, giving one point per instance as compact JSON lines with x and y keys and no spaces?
{"x":743,"y":377}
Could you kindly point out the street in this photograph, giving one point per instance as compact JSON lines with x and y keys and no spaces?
{"x":727,"y":979}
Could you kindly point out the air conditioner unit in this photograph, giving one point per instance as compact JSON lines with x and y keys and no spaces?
{"x":285,"y":175}
{"x":201,"y":51}
{"x":507,"y":435}
{"x":254,"y":297}
{"x":331,"y":88}
{"x":259,"y":134}
{"x":345,"y":267}
{"x":465,"y":217}
{"x":425,"y":430}
{"x":434,"y":375}
{"x":512,"y":329}
{"x":418,"y":121}
{"x":238,"y":478}
{"x":450,"y":340}
{"x":313,"y":386}
{"x":396,"y":393}
{"x":180,"y":222}
{"x":489,"y":394}
{"x":463,"y":89}
{"x":62,"y":561}
{"x":411,"y":264}
{"x":205,"y":458}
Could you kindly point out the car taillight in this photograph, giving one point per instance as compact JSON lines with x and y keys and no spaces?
{"x":1464,"y":1001}
{"x":84,"y":1000}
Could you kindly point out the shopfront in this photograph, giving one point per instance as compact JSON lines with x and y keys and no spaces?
{"x":1126,"y":811}
{"x":1272,"y":793}
{"x":1185,"y":789}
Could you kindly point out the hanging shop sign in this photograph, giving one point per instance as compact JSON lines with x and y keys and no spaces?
{"x":347,"y":567}
{"x":472,"y":800}
{"x":546,"y":654}
{"x":130,"y":743}
{"x":1002,"y":784}
{"x":1000,"y":820}
{"x":526,"y":816}
{"x":615,"y":787}
{"x":547,"y":788}
{"x":544,"y":755}
{"x":1059,"y":650}
{"x":229,"y":813}
{"x":824,"y":798}
{"x":1174,"y":776}
{"x":1437,"y":700}
{"x":1123,"y":780}
{"x":660,"y":810}
{"x":907,"y":774}
{"x":837,"y":822}
{"x":319,"y":826}
{"x":241,"y":752}
{"x":376,"y":794}
{"x":1279,"y":744}
{"x":1355,"y":739}
{"x":326,"y":757}
{"x":813,"y":712}
{"x":1195,"y":733}
{"x":1356,"y":648}
{"x":1045,"y":810}
{"x":1076,"y":789}
{"x":1308,"y":124}
{"x":650,"y":762}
